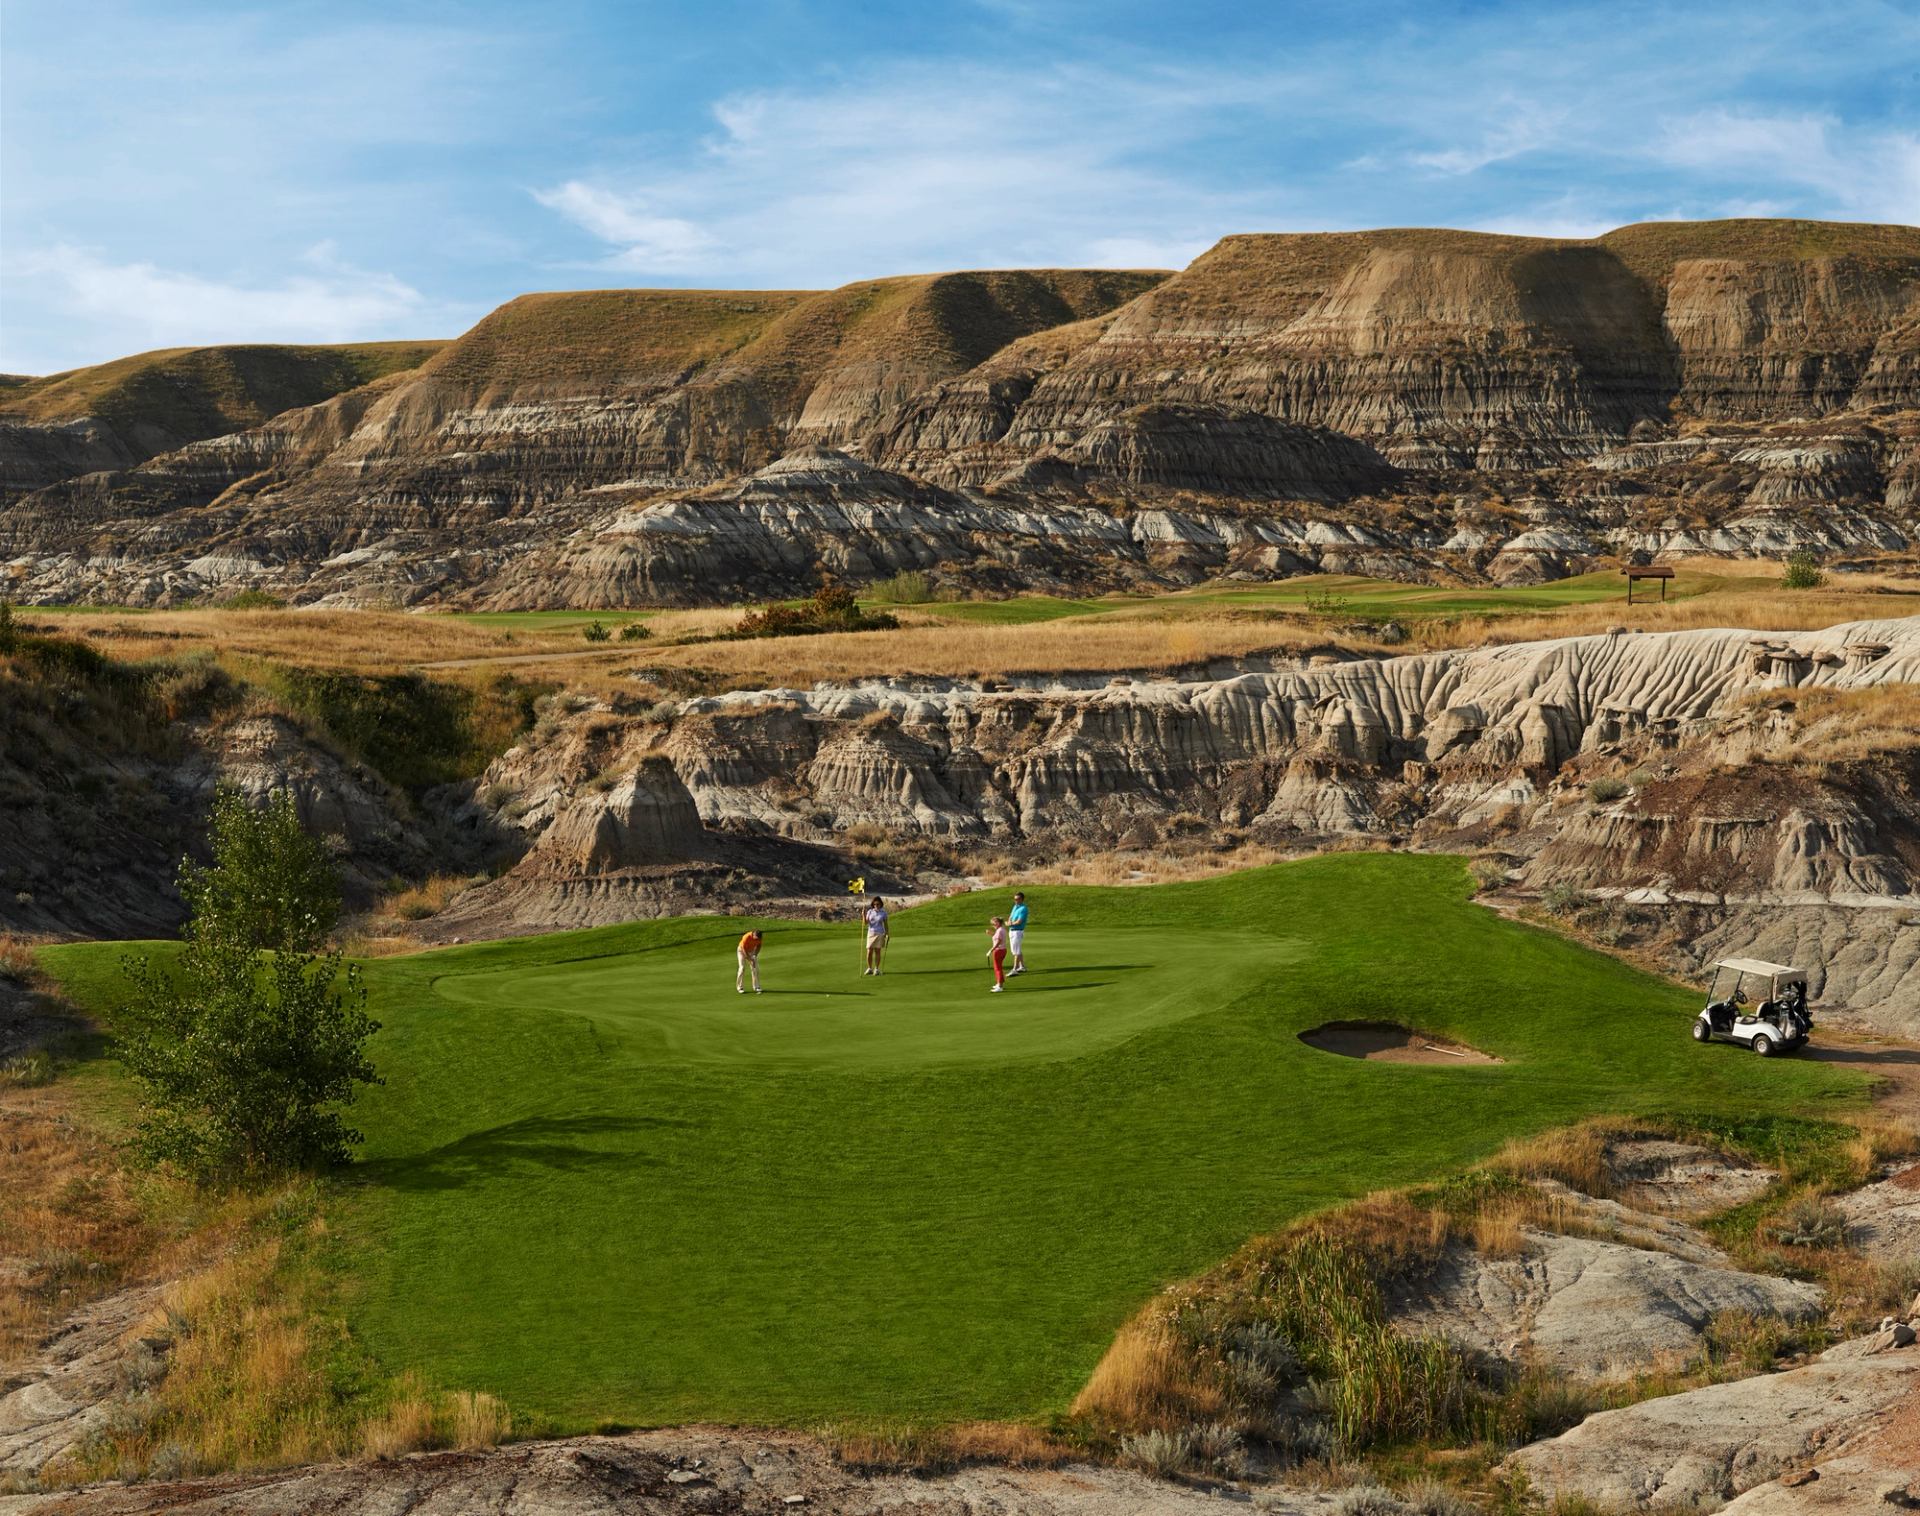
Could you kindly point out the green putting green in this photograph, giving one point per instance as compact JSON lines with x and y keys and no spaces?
{"x":604,"y":1186}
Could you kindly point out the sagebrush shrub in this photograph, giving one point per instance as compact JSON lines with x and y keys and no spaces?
{"x":1157,"y":1452}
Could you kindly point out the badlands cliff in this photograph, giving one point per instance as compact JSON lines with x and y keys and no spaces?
{"x":1739,"y":792}
{"x":1396,"y":402}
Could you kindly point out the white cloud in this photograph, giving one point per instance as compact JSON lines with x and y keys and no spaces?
{"x":148,"y":306}
{"x":916,"y":169}
{"x":645,"y":241}
{"x":1872,"y":174}
{"x":1526,"y":129}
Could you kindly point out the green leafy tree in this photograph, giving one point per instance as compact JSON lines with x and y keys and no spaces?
{"x":249,"y":1042}
{"x":1803,"y":571}
{"x":9,"y":635}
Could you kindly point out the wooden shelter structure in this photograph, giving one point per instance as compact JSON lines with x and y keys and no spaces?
{"x":1635,"y":572}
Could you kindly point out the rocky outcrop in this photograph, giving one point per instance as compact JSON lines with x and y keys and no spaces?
{"x":1597,"y":1309}
{"x":664,"y":1473}
{"x":1883,"y":1219}
{"x":1393,"y":402}
{"x":1695,"y":1451}
{"x":103,"y":1357}
{"x":1446,"y":737}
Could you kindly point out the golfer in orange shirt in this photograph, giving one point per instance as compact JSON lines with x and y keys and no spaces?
{"x":749,"y":963}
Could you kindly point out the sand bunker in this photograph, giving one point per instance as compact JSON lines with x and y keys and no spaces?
{"x":1389,"y":1042}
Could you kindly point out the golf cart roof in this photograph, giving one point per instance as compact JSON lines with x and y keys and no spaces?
{"x":1762,"y":967}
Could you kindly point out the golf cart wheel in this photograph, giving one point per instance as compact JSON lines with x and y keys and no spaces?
{"x":1702,"y":1032}
{"x":1763,"y":1045}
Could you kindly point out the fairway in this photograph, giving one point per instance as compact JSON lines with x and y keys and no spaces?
{"x":604,"y":1186}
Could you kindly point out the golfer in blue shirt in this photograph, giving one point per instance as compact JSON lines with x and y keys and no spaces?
{"x":1017,"y":932}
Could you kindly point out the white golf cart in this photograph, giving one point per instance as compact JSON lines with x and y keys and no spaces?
{"x":1780,"y":1023}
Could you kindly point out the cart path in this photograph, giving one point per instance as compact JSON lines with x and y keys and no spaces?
{"x":1895,"y":1063}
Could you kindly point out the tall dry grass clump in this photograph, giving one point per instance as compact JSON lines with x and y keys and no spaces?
{"x":479,"y":1420}
{"x":1150,"y":1377}
{"x":409,"y":1424}
{"x":922,"y":1449}
{"x":430,"y":897}
{"x":17,"y":963}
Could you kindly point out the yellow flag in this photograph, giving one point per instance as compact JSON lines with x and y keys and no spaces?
{"x":857,"y":886}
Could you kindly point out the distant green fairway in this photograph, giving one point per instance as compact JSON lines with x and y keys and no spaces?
{"x":602,"y":1185}
{"x":1333,"y":595}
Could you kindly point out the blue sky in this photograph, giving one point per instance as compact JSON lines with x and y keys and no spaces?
{"x":179,"y":171}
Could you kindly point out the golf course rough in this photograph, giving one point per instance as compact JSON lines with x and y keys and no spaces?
{"x":600,"y":1184}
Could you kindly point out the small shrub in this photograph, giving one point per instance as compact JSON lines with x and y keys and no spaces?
{"x":9,"y":634}
{"x":1488,"y":874}
{"x":635,"y":631}
{"x":1218,"y":1445}
{"x":1747,"y":1342}
{"x":1802,"y":571}
{"x":1563,"y":899}
{"x":430,"y":897}
{"x":1369,"y":1500}
{"x":833,"y":608}
{"x":252,"y":600}
{"x":1607,"y":789}
{"x":595,"y":631}
{"x":1810,"y":1222}
{"x":27,"y":1071}
{"x":1162,"y":1454}
{"x":908,"y":587}
{"x":1429,"y":1497}
{"x":1640,"y":778}
{"x":1328,"y":603}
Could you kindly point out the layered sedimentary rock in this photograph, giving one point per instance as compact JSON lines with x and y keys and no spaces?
{"x":115,"y":415}
{"x":1662,"y":766}
{"x":1505,"y":407}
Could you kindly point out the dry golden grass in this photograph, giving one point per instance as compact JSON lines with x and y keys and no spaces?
{"x":365,"y":641}
{"x":71,"y":1215}
{"x":1501,"y":1232}
{"x":1150,"y":636}
{"x":17,"y":963}
{"x":1844,"y":726}
{"x":930,"y":1449}
{"x":408,"y":1425}
{"x":1576,"y":1156}
{"x":429,"y":898}
{"x":1750,"y":601}
{"x":478,"y":1420}
{"x":1149,"y":1378}
{"x":1093,"y":644}
{"x":374,"y":943}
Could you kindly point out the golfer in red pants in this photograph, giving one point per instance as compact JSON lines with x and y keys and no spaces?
{"x":997,"y":952}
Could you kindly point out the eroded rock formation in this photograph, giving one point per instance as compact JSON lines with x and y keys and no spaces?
{"x":1385,"y":402}
{"x":1653,"y":768}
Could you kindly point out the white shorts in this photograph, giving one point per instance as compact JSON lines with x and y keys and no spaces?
{"x":876,"y":939}
{"x":1014,"y":939}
